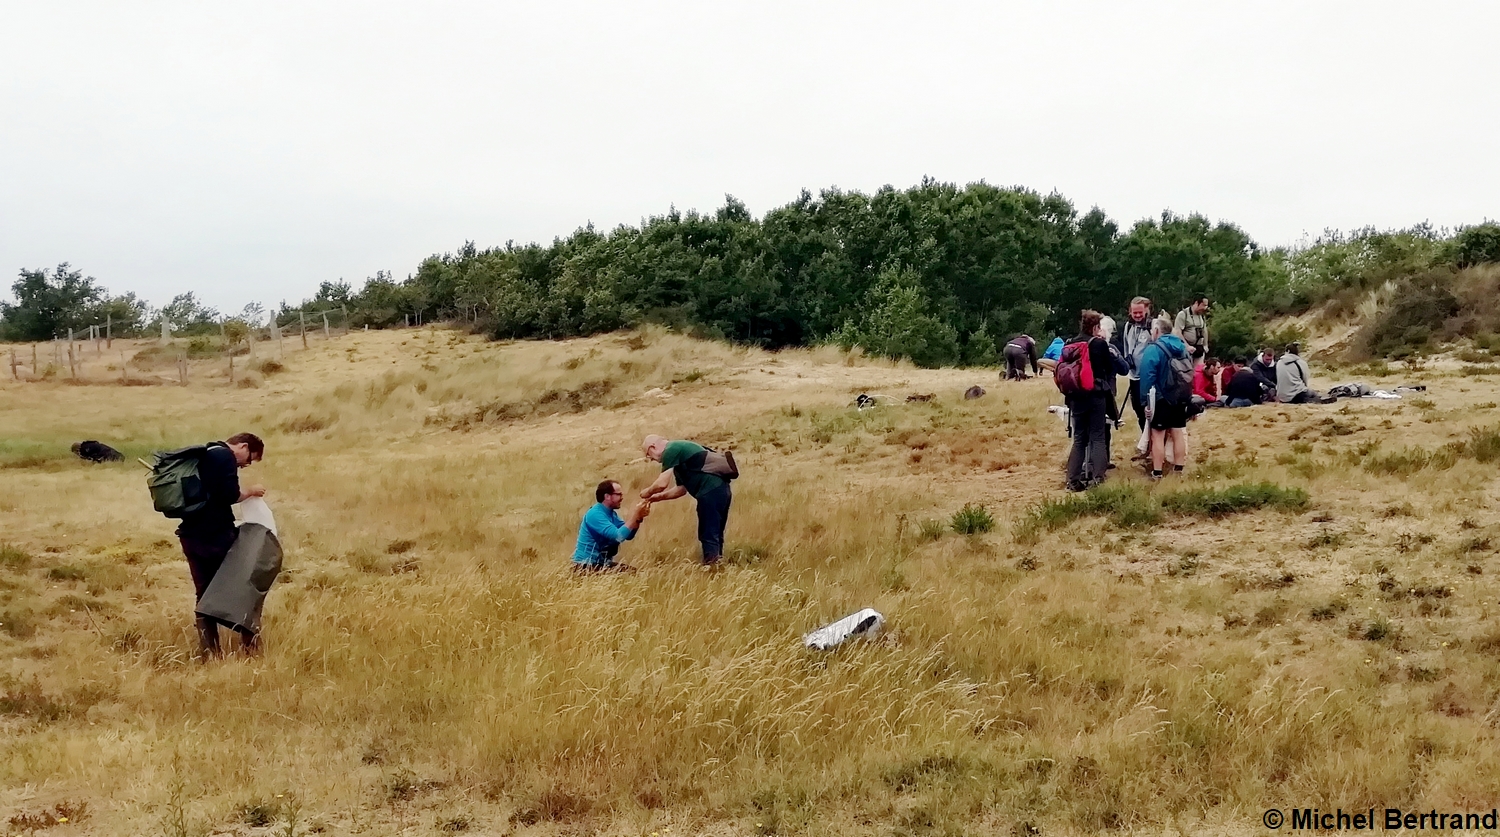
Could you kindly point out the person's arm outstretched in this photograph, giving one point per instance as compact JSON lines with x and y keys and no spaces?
{"x":663,"y":489}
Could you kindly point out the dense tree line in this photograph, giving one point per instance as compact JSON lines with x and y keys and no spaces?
{"x":937,"y":273}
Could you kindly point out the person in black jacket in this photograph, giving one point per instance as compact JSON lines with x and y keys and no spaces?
{"x":1246,"y":389}
{"x":1018,"y":350}
{"x":208,"y":533}
{"x":1088,"y":411}
{"x":1264,"y":368}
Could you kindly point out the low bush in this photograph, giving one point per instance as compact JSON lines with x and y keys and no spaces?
{"x":1132,"y":506}
{"x":972,"y":519}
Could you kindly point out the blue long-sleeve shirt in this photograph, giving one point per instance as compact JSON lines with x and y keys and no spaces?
{"x":600,"y":536}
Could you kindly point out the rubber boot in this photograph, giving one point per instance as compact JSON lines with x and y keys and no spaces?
{"x":208,"y":638}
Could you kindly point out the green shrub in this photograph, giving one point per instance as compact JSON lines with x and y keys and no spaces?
{"x":972,"y":520}
{"x":1421,"y":307}
{"x":13,"y":558}
{"x":1477,"y":244}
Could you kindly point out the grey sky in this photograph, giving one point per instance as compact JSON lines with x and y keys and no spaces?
{"x":248,"y":151}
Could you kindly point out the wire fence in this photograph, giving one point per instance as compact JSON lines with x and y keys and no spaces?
{"x":237,"y":345}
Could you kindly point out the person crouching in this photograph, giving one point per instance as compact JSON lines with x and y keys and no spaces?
{"x":602,"y":531}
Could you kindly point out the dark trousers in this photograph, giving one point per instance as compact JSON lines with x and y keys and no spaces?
{"x":1137,"y":404}
{"x":1015,"y":362}
{"x":205,"y":554}
{"x":1090,"y":419}
{"x":713,"y":516}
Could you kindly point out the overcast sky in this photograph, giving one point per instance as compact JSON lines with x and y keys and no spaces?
{"x":251,"y":150}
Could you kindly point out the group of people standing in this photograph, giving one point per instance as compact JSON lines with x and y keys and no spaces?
{"x":1170,"y":379}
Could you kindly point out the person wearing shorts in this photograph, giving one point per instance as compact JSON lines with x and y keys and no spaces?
{"x":1168,"y":420}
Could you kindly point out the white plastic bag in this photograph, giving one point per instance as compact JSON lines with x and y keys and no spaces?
{"x":255,"y":510}
{"x":866,"y":623}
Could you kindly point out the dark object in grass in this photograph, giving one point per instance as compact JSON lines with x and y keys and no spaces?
{"x":92,"y":451}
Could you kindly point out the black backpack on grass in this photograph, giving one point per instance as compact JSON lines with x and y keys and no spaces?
{"x":176,"y":486}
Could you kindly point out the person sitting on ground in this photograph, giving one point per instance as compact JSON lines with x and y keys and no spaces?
{"x":1245,"y":389}
{"x":1226,"y":374}
{"x":1206,"y":383}
{"x":1018,"y":350}
{"x":681,"y":473}
{"x":1293,"y":379}
{"x":602,"y":531}
{"x":1167,"y":413}
{"x":208,"y":534}
{"x":1052,"y":355}
{"x":1264,"y":368}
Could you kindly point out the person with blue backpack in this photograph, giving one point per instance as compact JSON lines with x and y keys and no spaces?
{"x":1081,"y":377}
{"x":1167,"y":369}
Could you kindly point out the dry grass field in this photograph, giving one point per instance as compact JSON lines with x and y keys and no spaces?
{"x":1148,"y":663}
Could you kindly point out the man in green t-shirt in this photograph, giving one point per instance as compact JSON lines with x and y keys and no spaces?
{"x":681,"y":473}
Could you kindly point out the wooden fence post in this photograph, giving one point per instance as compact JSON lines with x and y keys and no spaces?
{"x":13,"y":372}
{"x":345,"y":314}
{"x":302,"y":324}
{"x":33,"y":361}
{"x":231,"y":367}
{"x":124,"y":378}
{"x":72,"y":366}
{"x":325,"y":325}
{"x":109,"y":331}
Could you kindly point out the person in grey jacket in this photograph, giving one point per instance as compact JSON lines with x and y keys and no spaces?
{"x":1293,"y":377}
{"x":1130,"y":340}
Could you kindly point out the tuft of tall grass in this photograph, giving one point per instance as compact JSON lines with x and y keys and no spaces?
{"x":1132,"y":506}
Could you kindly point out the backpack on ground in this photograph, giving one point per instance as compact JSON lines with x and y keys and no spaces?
{"x":1075,"y":372}
{"x":715,"y":463}
{"x":177,"y":488}
{"x":1179,"y":384}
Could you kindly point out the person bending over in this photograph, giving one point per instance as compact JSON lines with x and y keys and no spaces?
{"x":602,"y":531}
{"x":682,"y":473}
{"x":208,"y":534}
{"x":1018,"y":350}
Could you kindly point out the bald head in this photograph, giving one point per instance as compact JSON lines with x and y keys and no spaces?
{"x":652,"y":446}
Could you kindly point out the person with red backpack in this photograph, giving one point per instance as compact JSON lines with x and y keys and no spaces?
{"x":1167,"y":370}
{"x":1081,"y":377}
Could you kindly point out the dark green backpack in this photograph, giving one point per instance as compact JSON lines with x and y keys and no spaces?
{"x":177,"y":488}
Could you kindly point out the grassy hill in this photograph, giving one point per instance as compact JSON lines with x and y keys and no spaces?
{"x":1185,"y":655}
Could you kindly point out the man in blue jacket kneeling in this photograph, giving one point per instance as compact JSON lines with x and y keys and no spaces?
{"x":602,"y":531}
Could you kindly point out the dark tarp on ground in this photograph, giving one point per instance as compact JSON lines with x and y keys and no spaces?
{"x":239,"y":588}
